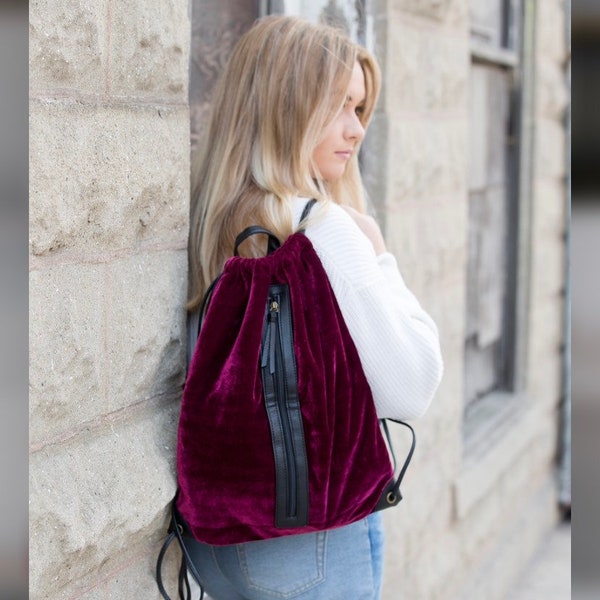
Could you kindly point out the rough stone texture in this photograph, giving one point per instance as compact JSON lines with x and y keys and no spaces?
{"x":452,"y":12}
{"x":104,"y":178}
{"x":67,"y":45}
{"x":552,"y":95}
{"x":109,"y":188}
{"x":109,"y":48}
{"x":429,"y":252}
{"x":104,"y":337}
{"x":97,"y":499}
{"x":455,"y":534}
{"x":428,"y":72}
{"x":149,"y":49}
{"x":66,"y":348}
{"x":146,"y":327}
{"x":551,"y":40}
{"x":493,"y":574}
{"x":428,"y":157}
{"x":550,"y":157}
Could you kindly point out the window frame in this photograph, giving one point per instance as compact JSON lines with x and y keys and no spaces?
{"x":497,"y":410}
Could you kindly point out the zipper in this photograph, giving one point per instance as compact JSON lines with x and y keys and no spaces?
{"x":273,"y":357}
{"x":280,"y":388}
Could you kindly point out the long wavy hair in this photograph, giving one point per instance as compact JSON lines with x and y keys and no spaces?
{"x":284,"y":83}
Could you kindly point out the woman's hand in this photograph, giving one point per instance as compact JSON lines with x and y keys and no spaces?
{"x":369,"y":227}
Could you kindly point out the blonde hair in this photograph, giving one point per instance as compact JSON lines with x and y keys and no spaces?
{"x":284,"y":83}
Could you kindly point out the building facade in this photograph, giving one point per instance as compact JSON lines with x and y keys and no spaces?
{"x":466,"y":167}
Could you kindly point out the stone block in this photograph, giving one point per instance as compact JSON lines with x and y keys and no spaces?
{"x":447,"y":409}
{"x":550,"y":209}
{"x":547,"y":271}
{"x":66,"y":348}
{"x":489,"y":461}
{"x":426,"y":510}
{"x":425,"y":71}
{"x":137,"y":580}
{"x":68,"y":45}
{"x":408,"y":566}
{"x":99,"y":501}
{"x":551,"y":32}
{"x":106,"y":179}
{"x":380,"y":29}
{"x":550,"y":149}
{"x":551,"y":91}
{"x":427,"y":235}
{"x":434,"y":572}
{"x":149,"y":50}
{"x":546,"y":335}
{"x":449,"y":12}
{"x":428,"y":157}
{"x":495,"y":571}
{"x":146,"y":335}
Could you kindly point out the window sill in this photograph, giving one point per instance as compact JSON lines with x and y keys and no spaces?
{"x":496,"y":432}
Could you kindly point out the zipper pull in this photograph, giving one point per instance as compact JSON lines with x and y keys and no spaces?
{"x":273,"y":319}
{"x":268,"y":349}
{"x":264,"y":358}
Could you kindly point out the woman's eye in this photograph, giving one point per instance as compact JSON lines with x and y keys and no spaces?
{"x":359,"y":110}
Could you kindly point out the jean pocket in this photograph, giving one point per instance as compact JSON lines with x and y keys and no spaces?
{"x":284,"y":567}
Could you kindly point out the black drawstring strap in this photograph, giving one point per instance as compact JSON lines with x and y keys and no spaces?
{"x":175,"y":532}
{"x":391,"y":496}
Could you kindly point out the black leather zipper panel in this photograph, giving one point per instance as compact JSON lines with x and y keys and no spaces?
{"x":280,"y":386}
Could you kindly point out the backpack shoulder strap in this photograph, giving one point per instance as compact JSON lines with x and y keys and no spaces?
{"x":306,"y":211}
{"x":273,"y":244}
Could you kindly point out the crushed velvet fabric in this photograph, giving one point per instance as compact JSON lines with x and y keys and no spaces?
{"x":225,"y":465}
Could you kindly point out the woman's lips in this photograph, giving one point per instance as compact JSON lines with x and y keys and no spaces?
{"x":345,"y":154}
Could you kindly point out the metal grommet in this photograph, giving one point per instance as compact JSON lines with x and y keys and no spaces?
{"x":180,"y":529}
{"x":391,"y":498}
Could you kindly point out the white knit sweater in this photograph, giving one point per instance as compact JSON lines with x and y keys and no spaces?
{"x":397,"y":341}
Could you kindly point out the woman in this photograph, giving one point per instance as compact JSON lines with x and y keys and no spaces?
{"x":289,"y":115}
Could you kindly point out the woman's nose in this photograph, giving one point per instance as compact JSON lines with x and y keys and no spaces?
{"x":354,"y":128}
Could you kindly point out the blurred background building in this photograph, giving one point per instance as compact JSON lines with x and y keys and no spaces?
{"x":467,"y":168}
{"x":13,"y":298}
{"x":586,"y":294}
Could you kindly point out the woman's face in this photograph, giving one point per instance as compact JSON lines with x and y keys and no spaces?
{"x":344,"y":133}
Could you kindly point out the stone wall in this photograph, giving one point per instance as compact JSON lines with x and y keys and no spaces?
{"x":476,"y":506}
{"x":109,"y":172}
{"x":425,"y":103}
{"x":109,"y":143}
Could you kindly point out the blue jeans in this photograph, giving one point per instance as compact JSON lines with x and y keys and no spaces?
{"x":329,"y":565}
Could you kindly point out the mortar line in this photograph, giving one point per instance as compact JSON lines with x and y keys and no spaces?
{"x":124,"y":413}
{"x":41,"y":262}
{"x":108,"y":577}
{"x":94,"y":100}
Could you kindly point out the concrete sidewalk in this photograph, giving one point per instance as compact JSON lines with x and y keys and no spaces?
{"x":548,"y":576}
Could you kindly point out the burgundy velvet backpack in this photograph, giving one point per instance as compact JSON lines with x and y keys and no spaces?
{"x":278,"y":432}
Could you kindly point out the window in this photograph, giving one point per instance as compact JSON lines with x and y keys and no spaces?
{"x":497,"y":203}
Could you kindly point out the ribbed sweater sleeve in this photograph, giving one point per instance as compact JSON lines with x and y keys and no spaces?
{"x":397,"y":341}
